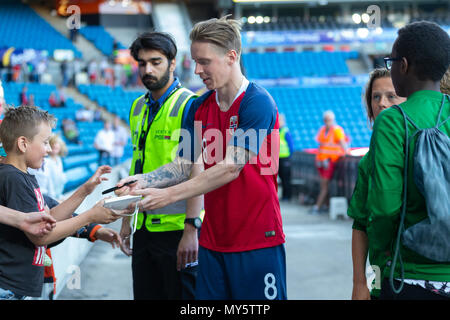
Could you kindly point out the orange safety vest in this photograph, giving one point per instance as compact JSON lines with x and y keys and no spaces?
{"x":329,"y":147}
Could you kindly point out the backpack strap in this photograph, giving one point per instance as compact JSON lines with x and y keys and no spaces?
{"x":438,"y":124}
{"x":397,"y":254}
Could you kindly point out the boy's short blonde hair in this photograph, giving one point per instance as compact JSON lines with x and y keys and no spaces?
{"x":445,"y":82}
{"x":54,"y":139}
{"x":22,"y":121}
{"x":224,"y":33}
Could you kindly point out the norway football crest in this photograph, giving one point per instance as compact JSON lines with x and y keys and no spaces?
{"x":233,"y":124}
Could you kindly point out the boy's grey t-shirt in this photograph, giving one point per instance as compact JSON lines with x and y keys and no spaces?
{"x":21,"y":262}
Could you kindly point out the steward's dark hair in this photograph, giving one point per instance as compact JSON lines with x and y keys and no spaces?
{"x":160,"y":41}
{"x":426,"y":46}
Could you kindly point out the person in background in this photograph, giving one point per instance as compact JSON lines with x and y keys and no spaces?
{"x":31,"y":101}
{"x":23,"y":97}
{"x":332,"y":146}
{"x":379,"y":95}
{"x":120,"y":140}
{"x":444,"y":85}
{"x":51,"y":177}
{"x":286,"y":151}
{"x":104,"y":143}
{"x":52,"y":101}
{"x":2,"y":102}
{"x":84,"y":114}
{"x":186,"y":68}
{"x":57,"y":99}
{"x":70,"y":131}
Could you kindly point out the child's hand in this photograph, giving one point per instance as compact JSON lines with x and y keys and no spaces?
{"x":102,"y":215}
{"x":109,"y":235}
{"x":96,"y":179}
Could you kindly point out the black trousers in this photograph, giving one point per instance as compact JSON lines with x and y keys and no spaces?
{"x":285,"y":175}
{"x":409,"y":292}
{"x":154,"y":267}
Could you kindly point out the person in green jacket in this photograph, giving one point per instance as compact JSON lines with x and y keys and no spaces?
{"x":379,"y":95}
{"x":420,"y":57}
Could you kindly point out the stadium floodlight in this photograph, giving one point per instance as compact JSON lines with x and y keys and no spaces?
{"x":266,"y":19}
{"x":365,"y":17}
{"x":356,"y":18}
{"x":378,"y":30}
{"x":259,"y":19}
{"x":251,"y":20}
{"x":362,"y":33}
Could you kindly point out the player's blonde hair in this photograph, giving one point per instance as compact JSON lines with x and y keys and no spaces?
{"x":224,"y":33}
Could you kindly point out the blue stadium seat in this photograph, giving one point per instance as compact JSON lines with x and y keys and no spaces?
{"x":23,"y":28}
{"x":100,"y":38}
{"x":76,"y":177}
{"x":304,"y":107}
{"x":273,"y":65}
{"x":80,"y":160}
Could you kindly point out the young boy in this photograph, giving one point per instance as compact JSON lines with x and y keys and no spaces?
{"x":420,"y":57}
{"x":25,"y":132}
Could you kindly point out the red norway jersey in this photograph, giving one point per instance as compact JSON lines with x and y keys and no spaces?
{"x":245,"y":213}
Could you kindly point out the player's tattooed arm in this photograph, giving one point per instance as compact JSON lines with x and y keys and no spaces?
{"x":168,"y":175}
{"x":238,"y":156}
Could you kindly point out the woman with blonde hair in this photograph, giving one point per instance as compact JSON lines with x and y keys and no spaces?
{"x":51,"y":176}
{"x":379,"y":95}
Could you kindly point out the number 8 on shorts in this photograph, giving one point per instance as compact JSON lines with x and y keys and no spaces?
{"x":270,"y":290}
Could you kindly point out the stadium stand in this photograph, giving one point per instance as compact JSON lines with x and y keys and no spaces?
{"x":100,"y":38}
{"x":295,"y":64}
{"x":114,"y":99}
{"x":304,"y":107}
{"x":23,"y":28}
{"x":296,"y":23}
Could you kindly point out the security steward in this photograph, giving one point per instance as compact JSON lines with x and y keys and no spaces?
{"x":165,"y":234}
{"x":286,"y":150}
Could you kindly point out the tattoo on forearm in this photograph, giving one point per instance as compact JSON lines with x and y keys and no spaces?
{"x":240,"y":157}
{"x":168,"y":175}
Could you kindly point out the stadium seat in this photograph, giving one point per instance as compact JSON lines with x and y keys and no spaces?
{"x":80,"y":160}
{"x":76,"y":177}
{"x":100,"y":38}
{"x":304,"y":107}
{"x":274,"y":65}
{"x":23,"y":28}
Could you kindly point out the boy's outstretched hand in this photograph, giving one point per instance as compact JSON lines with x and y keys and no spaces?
{"x":96,"y":179}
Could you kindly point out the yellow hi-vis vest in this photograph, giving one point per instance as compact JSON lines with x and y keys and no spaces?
{"x":284,"y":146}
{"x":161,"y":148}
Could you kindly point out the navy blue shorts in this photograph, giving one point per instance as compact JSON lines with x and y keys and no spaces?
{"x":250,"y":275}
